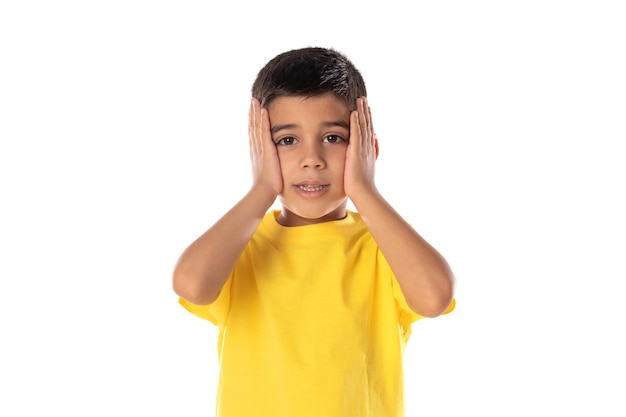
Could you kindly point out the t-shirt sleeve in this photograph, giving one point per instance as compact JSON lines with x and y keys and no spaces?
{"x":215,"y":312}
{"x":406,"y":315}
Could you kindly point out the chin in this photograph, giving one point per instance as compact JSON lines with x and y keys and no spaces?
{"x":312,"y":214}
{"x":309,"y":214}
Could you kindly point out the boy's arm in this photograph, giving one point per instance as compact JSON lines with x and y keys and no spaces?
{"x":205,"y":265}
{"x":423,"y":274}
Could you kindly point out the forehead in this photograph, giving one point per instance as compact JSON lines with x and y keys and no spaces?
{"x":293,"y":108}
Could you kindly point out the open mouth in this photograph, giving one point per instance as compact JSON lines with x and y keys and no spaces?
{"x":311,"y":187}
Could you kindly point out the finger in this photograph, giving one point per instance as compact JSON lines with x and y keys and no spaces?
{"x":256,"y":126}
{"x":251,"y":127}
{"x":264,"y":129}
{"x":367,"y":126}
{"x":363,"y":120}
{"x":355,"y":130}
{"x":371,"y":132}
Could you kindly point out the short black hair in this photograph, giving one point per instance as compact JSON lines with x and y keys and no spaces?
{"x":308,"y":72}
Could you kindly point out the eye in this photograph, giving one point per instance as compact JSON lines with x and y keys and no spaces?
{"x":287,"y":140}
{"x":333,"y":139}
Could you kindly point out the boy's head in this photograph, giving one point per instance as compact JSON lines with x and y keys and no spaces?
{"x":309,"y":72}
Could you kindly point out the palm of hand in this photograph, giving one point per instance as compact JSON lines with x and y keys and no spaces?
{"x":362,"y":151}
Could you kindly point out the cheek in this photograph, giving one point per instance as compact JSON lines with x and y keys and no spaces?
{"x":284,"y":159}
{"x":338,"y":162}
{"x":288,"y":166}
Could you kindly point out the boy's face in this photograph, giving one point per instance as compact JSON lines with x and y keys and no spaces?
{"x":311,"y":135}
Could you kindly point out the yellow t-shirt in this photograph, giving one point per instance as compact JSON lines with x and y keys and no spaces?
{"x":312,"y":322}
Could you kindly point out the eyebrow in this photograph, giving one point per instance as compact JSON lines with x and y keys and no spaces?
{"x":338,"y":123}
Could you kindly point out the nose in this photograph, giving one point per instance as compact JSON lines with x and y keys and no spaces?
{"x":313,"y":156}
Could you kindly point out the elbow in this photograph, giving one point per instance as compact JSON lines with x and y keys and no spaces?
{"x":437,"y":301}
{"x":191,"y":289}
{"x":434,"y":307}
{"x":181,"y":287}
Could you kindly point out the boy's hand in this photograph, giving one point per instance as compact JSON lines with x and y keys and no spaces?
{"x":362,"y":151}
{"x":263,"y":154}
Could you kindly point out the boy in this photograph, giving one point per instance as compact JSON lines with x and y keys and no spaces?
{"x":314,"y":302}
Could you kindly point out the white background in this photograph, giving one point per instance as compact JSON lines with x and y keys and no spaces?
{"x":123,"y":128}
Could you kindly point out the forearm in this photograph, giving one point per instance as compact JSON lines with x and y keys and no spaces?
{"x":205,"y":265}
{"x":423,"y":274}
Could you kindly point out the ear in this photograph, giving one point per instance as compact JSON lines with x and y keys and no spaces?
{"x":376,"y":144}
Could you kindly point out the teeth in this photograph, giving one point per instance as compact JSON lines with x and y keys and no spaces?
{"x":310,"y":187}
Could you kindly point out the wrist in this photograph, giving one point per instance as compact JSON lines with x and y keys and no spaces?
{"x":261,"y":195}
{"x":364,"y":195}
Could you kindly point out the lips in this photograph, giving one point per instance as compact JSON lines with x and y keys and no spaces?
{"x":311,"y":190}
{"x":311,"y":187}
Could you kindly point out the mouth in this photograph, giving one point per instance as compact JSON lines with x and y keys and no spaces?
{"x":311,"y":187}
{"x":311,"y":191}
